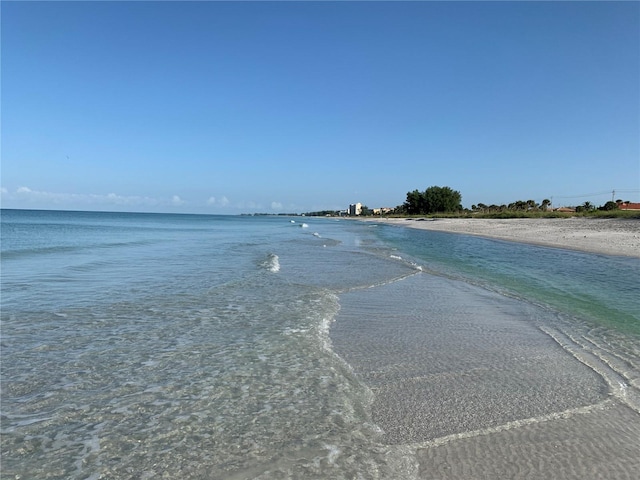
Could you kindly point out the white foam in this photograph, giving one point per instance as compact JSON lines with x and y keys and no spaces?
{"x":334,"y":452}
{"x":272,"y":263}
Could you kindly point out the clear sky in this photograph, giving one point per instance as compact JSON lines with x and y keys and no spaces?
{"x":232,"y":107}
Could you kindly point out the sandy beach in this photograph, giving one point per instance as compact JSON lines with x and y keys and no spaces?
{"x":610,"y":236}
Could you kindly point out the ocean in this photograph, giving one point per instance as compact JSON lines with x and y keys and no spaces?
{"x":229,"y":347}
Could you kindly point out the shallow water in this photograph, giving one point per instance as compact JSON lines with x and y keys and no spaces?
{"x":459,"y":359}
{"x":141,"y":345}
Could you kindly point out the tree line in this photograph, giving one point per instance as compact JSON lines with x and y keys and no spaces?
{"x":445,"y":200}
{"x":433,"y":200}
{"x":437,"y":200}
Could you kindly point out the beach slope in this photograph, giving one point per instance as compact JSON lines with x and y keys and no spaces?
{"x":609,"y":236}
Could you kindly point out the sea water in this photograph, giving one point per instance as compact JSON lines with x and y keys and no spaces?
{"x":215,"y":347}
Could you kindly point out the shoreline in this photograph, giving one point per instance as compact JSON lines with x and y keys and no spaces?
{"x":608,"y":236}
{"x":456,"y":370}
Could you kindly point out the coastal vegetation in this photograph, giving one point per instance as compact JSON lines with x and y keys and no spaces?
{"x":433,"y":200}
{"x":438,"y":201}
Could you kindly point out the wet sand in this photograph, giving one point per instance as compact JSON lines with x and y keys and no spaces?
{"x":608,"y":236}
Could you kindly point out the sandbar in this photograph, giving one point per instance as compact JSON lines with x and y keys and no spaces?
{"x":608,"y":236}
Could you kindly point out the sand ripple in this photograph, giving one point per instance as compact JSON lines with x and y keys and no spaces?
{"x":474,"y":385}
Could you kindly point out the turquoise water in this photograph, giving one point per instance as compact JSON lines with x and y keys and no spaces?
{"x":599,"y":289}
{"x":192,"y":346}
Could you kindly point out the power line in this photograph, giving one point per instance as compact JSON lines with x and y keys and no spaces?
{"x":583,"y":195}
{"x":596,"y":194}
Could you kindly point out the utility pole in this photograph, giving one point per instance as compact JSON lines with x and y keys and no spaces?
{"x":613,"y":195}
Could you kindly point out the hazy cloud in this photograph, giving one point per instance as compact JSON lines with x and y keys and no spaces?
{"x":222,"y":201}
{"x":176,"y":201}
{"x":27,"y":196}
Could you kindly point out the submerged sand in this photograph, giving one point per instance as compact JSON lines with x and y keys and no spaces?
{"x":609,"y":236}
{"x":470,"y":385}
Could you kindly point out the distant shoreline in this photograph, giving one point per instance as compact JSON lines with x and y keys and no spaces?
{"x":609,"y":236}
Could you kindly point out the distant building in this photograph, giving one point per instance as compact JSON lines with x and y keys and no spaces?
{"x":382,"y":210}
{"x":355,"y":209}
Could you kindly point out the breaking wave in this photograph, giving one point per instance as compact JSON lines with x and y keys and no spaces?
{"x":272,"y":263}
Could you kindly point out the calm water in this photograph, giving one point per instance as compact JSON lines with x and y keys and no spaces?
{"x":142,"y":345}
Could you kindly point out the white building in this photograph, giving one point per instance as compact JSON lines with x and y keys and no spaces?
{"x":355,"y":209}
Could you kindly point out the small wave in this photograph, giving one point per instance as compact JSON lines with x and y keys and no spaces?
{"x":413,"y":264}
{"x":19,"y":253}
{"x":272,"y":263}
{"x":58,"y":249}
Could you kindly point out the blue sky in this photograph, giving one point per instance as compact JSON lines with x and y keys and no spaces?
{"x":231,"y":107}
